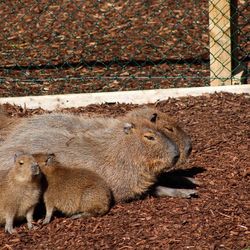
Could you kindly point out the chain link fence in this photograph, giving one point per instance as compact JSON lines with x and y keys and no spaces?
{"x":56,"y":47}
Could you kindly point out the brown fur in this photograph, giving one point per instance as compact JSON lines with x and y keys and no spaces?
{"x":3,"y":174}
{"x":19,"y":191}
{"x":169,"y":126}
{"x":172,"y":130}
{"x":78,"y":192}
{"x":127,"y":152}
{"x":72,"y":123}
{"x":7,"y":124}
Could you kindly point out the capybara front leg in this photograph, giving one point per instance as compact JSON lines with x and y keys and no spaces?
{"x":49,"y":212}
{"x":29,"y":217}
{"x":9,"y":224}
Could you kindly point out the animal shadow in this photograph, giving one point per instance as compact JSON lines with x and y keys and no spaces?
{"x":181,"y":178}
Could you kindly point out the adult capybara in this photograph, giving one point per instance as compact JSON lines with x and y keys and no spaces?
{"x":174,"y":131}
{"x":163,"y":121}
{"x":76,"y":192}
{"x":20,"y":190}
{"x":129,"y":154}
{"x":74,"y":123}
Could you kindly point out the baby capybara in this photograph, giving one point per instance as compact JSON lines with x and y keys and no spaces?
{"x":73,"y":191}
{"x":20,"y":190}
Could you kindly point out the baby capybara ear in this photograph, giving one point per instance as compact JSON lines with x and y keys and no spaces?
{"x":17,"y":154}
{"x":50,"y":159}
{"x":128,"y":127}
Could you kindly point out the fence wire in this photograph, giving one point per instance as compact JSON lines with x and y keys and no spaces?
{"x":52,"y":47}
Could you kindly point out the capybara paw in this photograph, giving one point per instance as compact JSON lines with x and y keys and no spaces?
{"x":79,"y":215}
{"x":192,"y":180}
{"x":10,"y":230}
{"x":46,"y":221}
{"x":188,"y":193}
{"x":30,"y":226}
{"x":175,"y":192}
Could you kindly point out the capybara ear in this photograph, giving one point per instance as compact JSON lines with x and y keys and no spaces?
{"x":50,"y":159}
{"x":17,"y":154}
{"x":153,"y":117}
{"x":127,"y":127}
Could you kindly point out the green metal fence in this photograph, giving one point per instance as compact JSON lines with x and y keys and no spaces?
{"x":72,"y":46}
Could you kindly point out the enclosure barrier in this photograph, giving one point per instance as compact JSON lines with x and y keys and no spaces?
{"x":225,"y":67}
{"x":55,"y":47}
{"x":56,"y":102}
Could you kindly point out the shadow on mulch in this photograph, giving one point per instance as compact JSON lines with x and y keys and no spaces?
{"x":177,"y":178}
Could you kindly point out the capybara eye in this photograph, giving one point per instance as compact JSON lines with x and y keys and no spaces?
{"x":149,"y":137}
{"x":20,"y":162}
{"x":169,"y":128}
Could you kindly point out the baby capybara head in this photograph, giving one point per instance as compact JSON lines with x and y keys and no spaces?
{"x":148,"y":147}
{"x":169,"y":126}
{"x":26,"y":167}
{"x":45,"y":161}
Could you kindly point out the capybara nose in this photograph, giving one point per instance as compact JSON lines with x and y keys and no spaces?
{"x":175,"y":159}
{"x":174,"y":152}
{"x":35,"y":169}
{"x":188,"y":149}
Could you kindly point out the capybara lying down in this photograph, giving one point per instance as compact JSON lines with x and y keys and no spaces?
{"x":169,"y":126}
{"x":128,"y":153}
{"x":173,"y":130}
{"x":120,"y":145}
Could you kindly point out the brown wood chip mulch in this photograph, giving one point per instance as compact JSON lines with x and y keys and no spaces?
{"x":219,"y":218}
{"x":51,"y":47}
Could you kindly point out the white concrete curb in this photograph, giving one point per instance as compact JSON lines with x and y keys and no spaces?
{"x":51,"y":102}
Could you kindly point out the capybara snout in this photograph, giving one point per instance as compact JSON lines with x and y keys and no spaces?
{"x":35,"y":169}
{"x":184,"y":142}
{"x":175,"y":159}
{"x":173,"y":151}
{"x":188,"y":148}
